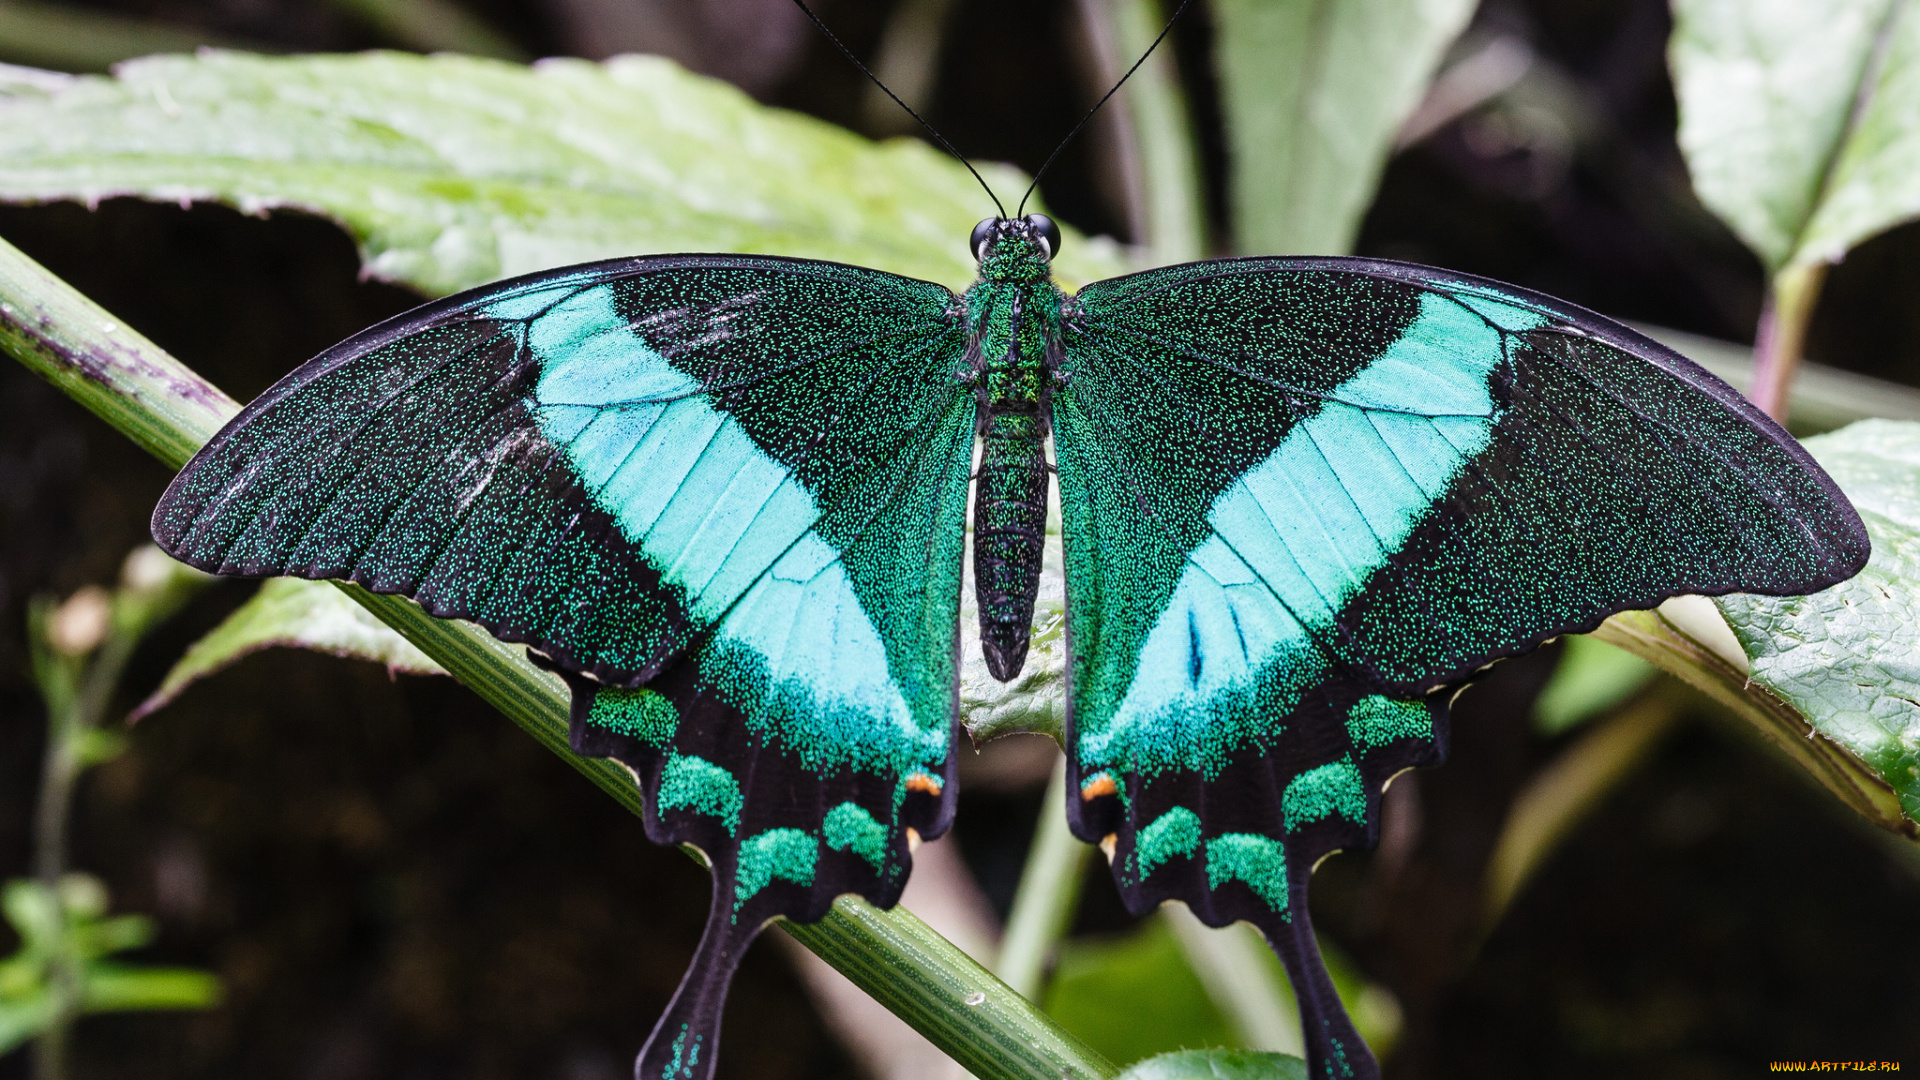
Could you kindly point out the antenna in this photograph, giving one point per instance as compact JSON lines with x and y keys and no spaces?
{"x":937,"y":137}
{"x":1164,"y":31}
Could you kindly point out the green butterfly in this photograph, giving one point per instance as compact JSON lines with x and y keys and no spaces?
{"x":725,"y":496}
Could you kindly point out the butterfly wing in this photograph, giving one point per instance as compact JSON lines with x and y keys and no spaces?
{"x":724,"y":496}
{"x":1301,"y":497}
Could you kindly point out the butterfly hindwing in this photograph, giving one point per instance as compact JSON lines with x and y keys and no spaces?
{"x":1303,"y":497}
{"x":724,"y":496}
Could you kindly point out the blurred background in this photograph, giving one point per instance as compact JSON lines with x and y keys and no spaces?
{"x":392,"y":881}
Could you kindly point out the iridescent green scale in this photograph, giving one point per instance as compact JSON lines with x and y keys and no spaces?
{"x":725,"y":497}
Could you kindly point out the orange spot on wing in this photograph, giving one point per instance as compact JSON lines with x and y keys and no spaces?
{"x":926,"y":782}
{"x":1100,"y":785}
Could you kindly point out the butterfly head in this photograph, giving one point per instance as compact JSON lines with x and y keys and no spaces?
{"x":1015,"y":249}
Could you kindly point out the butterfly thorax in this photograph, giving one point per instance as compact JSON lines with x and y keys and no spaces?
{"x":1013,"y":313}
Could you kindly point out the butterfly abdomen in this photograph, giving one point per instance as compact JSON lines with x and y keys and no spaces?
{"x":1009,"y":526}
{"x":1013,"y":321}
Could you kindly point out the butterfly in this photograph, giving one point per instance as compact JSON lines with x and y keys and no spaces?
{"x":1302,"y":502}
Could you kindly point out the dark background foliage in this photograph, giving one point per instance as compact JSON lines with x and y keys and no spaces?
{"x":394,"y":882}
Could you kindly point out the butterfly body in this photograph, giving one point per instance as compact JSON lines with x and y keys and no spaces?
{"x":1013,"y":313}
{"x":1302,"y":502}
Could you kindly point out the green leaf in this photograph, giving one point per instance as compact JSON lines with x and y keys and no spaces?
{"x":34,"y":914}
{"x":1139,"y":994}
{"x":292,"y":613}
{"x":453,"y":171}
{"x":93,"y":938}
{"x":1722,"y":674}
{"x":1155,"y":154}
{"x":24,"y":1015}
{"x":1592,"y":678}
{"x":1800,"y":121}
{"x":1314,"y":92}
{"x":1876,"y":180}
{"x":1219,"y":1065}
{"x":97,"y":746}
{"x":1245,"y":980}
{"x":120,"y":988}
{"x":19,"y":976}
{"x":47,"y":932}
{"x":1849,"y":658}
{"x":1133,"y":996}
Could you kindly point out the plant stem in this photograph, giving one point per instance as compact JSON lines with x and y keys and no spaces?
{"x":78,"y":39}
{"x":1237,"y":967}
{"x":943,"y":994}
{"x":908,"y":62}
{"x":1559,"y":797}
{"x":77,"y":690}
{"x":433,"y":26}
{"x":168,"y":409}
{"x":1160,"y":173}
{"x":59,"y":768}
{"x":1049,"y":891}
{"x":100,"y":362}
{"x":1782,"y":336}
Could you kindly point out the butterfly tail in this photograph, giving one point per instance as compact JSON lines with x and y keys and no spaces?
{"x":1335,"y":1050}
{"x":686,"y":1042}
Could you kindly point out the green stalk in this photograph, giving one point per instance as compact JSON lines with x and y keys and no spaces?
{"x":1237,"y":968}
{"x":168,"y":409}
{"x":908,"y":62}
{"x":63,"y":687}
{"x":1560,"y":796}
{"x":1159,"y":168}
{"x":1782,"y":336}
{"x":1049,"y":890}
{"x":945,"y":995}
{"x":433,"y":26}
{"x":77,"y":681}
{"x":69,"y":38}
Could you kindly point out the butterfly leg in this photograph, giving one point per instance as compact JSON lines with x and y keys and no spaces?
{"x":685,"y":1043}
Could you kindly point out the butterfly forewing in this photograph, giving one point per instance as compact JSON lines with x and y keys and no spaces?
{"x":724,"y":496}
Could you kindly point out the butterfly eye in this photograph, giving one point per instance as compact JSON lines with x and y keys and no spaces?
{"x":1047,"y":231}
{"x":982,"y":233}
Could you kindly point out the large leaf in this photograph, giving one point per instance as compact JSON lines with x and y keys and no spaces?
{"x":453,"y":171}
{"x":1849,"y":658}
{"x":1801,"y":121}
{"x":1314,"y":91}
{"x":292,"y":613}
